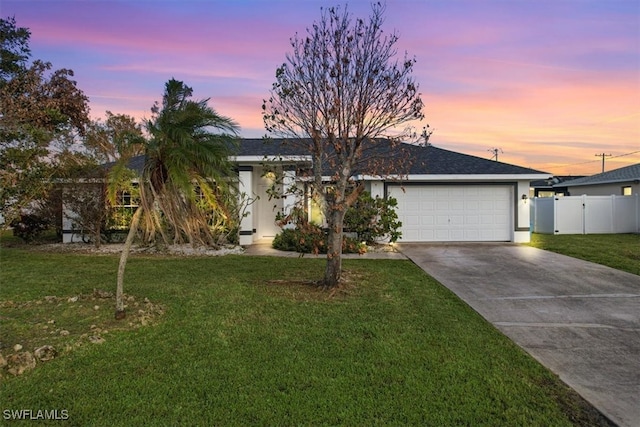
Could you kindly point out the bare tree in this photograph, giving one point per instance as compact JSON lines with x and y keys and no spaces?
{"x":342,"y":95}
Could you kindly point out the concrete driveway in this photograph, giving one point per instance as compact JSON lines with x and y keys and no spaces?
{"x":581,"y":320}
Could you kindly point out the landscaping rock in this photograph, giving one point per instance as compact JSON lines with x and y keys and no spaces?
{"x":102,"y":294}
{"x":20,"y":362}
{"x":45,"y":353}
{"x":95,"y":339}
{"x":17,"y":347}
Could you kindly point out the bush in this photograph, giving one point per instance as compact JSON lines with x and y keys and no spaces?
{"x":373,"y":219}
{"x":309,"y":238}
{"x":29,"y":227}
{"x":370,"y":219}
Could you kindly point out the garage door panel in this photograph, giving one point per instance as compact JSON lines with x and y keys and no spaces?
{"x":454,"y":213}
{"x":413,"y":206}
{"x":411,"y":220}
{"x":472,"y":235}
{"x":456,"y":220}
{"x":441,"y":235}
{"x":427,"y":205}
{"x":502,"y":220}
{"x":442,"y":220}
{"x":472,"y":205}
{"x":427,"y":220}
{"x":427,"y":235}
{"x":487,"y":219}
{"x":471,"y":220}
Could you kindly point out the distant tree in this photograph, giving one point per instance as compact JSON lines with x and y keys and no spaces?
{"x":338,"y":93}
{"x":186,"y":165}
{"x":14,"y":49}
{"x":119,"y":136}
{"x":40,"y":111}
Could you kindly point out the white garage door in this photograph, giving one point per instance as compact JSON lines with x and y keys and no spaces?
{"x":448,"y":213}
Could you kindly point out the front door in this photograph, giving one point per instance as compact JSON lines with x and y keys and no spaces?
{"x":267,"y":210}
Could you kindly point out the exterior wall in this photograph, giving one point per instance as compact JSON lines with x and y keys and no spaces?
{"x":376,"y":188}
{"x":70,"y":234}
{"x":522,"y":223}
{"x":604,"y":189}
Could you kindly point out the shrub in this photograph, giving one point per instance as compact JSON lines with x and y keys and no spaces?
{"x":310,"y":238}
{"x":29,"y":227}
{"x":373,"y":219}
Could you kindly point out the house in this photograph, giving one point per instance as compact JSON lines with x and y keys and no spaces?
{"x":621,"y":182}
{"x":442,"y":195}
{"x":552,"y":186}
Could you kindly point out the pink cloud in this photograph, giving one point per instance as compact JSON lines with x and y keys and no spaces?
{"x":550,"y":83}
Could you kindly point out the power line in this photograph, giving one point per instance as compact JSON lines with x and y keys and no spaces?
{"x":593,"y":161}
{"x":627,"y":154}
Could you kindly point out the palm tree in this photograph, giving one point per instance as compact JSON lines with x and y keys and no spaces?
{"x":187,"y":162}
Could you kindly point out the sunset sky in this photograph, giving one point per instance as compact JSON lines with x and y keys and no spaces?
{"x":549,"y":83}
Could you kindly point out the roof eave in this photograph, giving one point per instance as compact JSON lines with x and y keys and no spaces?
{"x":608,"y":181}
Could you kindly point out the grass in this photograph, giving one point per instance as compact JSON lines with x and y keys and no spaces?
{"x":619,"y":251}
{"x":243,"y":341}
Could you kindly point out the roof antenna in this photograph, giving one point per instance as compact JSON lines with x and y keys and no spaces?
{"x":426,"y":134}
{"x":495,"y":152}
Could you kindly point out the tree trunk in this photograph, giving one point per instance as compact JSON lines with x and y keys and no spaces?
{"x":120,"y":313}
{"x":333,"y":268}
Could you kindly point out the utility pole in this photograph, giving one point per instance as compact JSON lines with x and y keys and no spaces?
{"x":603,"y":155}
{"x":495,"y":152}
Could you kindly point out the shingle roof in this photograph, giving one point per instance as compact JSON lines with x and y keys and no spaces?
{"x":429,"y":160}
{"x":558,"y":180}
{"x":628,"y":173}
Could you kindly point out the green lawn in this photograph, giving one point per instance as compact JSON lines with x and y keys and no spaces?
{"x":243,"y":342}
{"x":619,"y":251}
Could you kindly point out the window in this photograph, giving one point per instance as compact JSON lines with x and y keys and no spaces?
{"x":120,"y":214}
{"x":627,"y":190}
{"x":544,"y":193}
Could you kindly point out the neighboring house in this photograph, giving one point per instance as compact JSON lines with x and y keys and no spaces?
{"x":444,"y":196}
{"x":619,"y":182}
{"x":552,"y":186}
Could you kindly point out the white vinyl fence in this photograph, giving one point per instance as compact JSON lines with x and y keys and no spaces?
{"x":586,"y":214}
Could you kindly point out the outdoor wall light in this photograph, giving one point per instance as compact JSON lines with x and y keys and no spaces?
{"x":524,"y":198}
